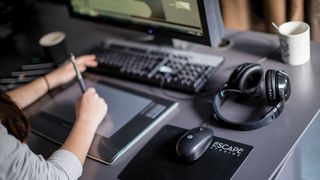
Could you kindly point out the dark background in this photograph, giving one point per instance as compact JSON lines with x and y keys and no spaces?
{"x":19,"y":34}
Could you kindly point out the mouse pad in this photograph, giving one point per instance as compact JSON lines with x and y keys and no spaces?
{"x":157,"y":160}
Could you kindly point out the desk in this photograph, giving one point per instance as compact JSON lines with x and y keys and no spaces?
{"x":272,"y":144}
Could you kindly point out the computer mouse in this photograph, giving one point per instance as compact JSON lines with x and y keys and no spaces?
{"x":192,"y":144}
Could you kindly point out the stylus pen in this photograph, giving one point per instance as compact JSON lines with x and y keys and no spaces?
{"x":78,"y":74}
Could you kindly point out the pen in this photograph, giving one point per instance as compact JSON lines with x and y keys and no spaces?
{"x":78,"y":74}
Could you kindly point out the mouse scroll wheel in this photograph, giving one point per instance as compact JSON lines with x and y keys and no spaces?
{"x":190,"y":136}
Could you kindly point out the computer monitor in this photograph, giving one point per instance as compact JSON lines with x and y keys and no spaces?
{"x":197,"y":21}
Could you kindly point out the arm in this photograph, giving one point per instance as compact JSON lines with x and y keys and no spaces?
{"x":90,"y":111}
{"x":65,"y":163}
{"x":27,"y":94}
{"x":31,"y":92}
{"x":18,"y":162}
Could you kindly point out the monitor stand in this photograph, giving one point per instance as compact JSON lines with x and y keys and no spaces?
{"x":224,"y":44}
{"x":164,"y":41}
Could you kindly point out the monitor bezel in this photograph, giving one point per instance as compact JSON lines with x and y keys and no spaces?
{"x":207,"y":18}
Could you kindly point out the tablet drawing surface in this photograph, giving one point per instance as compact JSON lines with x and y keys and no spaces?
{"x":122,"y":106}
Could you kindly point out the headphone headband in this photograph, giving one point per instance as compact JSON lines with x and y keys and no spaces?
{"x":269,"y":117}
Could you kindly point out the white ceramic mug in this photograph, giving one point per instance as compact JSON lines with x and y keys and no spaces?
{"x":295,"y":42}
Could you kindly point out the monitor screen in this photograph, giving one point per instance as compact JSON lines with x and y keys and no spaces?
{"x":193,"y":20}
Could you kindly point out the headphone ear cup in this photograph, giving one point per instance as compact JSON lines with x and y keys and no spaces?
{"x":270,"y":85}
{"x":247,"y":78}
{"x":284,"y":85}
{"x":235,"y":75}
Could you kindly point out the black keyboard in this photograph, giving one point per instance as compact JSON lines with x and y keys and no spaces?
{"x":164,"y":67}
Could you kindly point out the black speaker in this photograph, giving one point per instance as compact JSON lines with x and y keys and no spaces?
{"x":247,"y":79}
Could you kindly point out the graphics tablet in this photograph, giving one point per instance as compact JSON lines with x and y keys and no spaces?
{"x":131,"y":114}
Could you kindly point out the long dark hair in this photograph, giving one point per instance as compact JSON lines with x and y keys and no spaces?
{"x":12,"y":117}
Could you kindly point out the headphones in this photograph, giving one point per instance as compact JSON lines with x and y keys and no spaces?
{"x":247,"y":79}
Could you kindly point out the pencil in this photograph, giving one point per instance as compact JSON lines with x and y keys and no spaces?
{"x":78,"y":74}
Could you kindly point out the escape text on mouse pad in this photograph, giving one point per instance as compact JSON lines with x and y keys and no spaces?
{"x":157,"y":160}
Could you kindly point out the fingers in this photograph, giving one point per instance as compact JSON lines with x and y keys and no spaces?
{"x":91,"y":90}
{"x":87,"y":61}
{"x":86,"y":57}
{"x":91,"y":94}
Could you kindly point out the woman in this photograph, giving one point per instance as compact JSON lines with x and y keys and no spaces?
{"x":16,"y":159}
